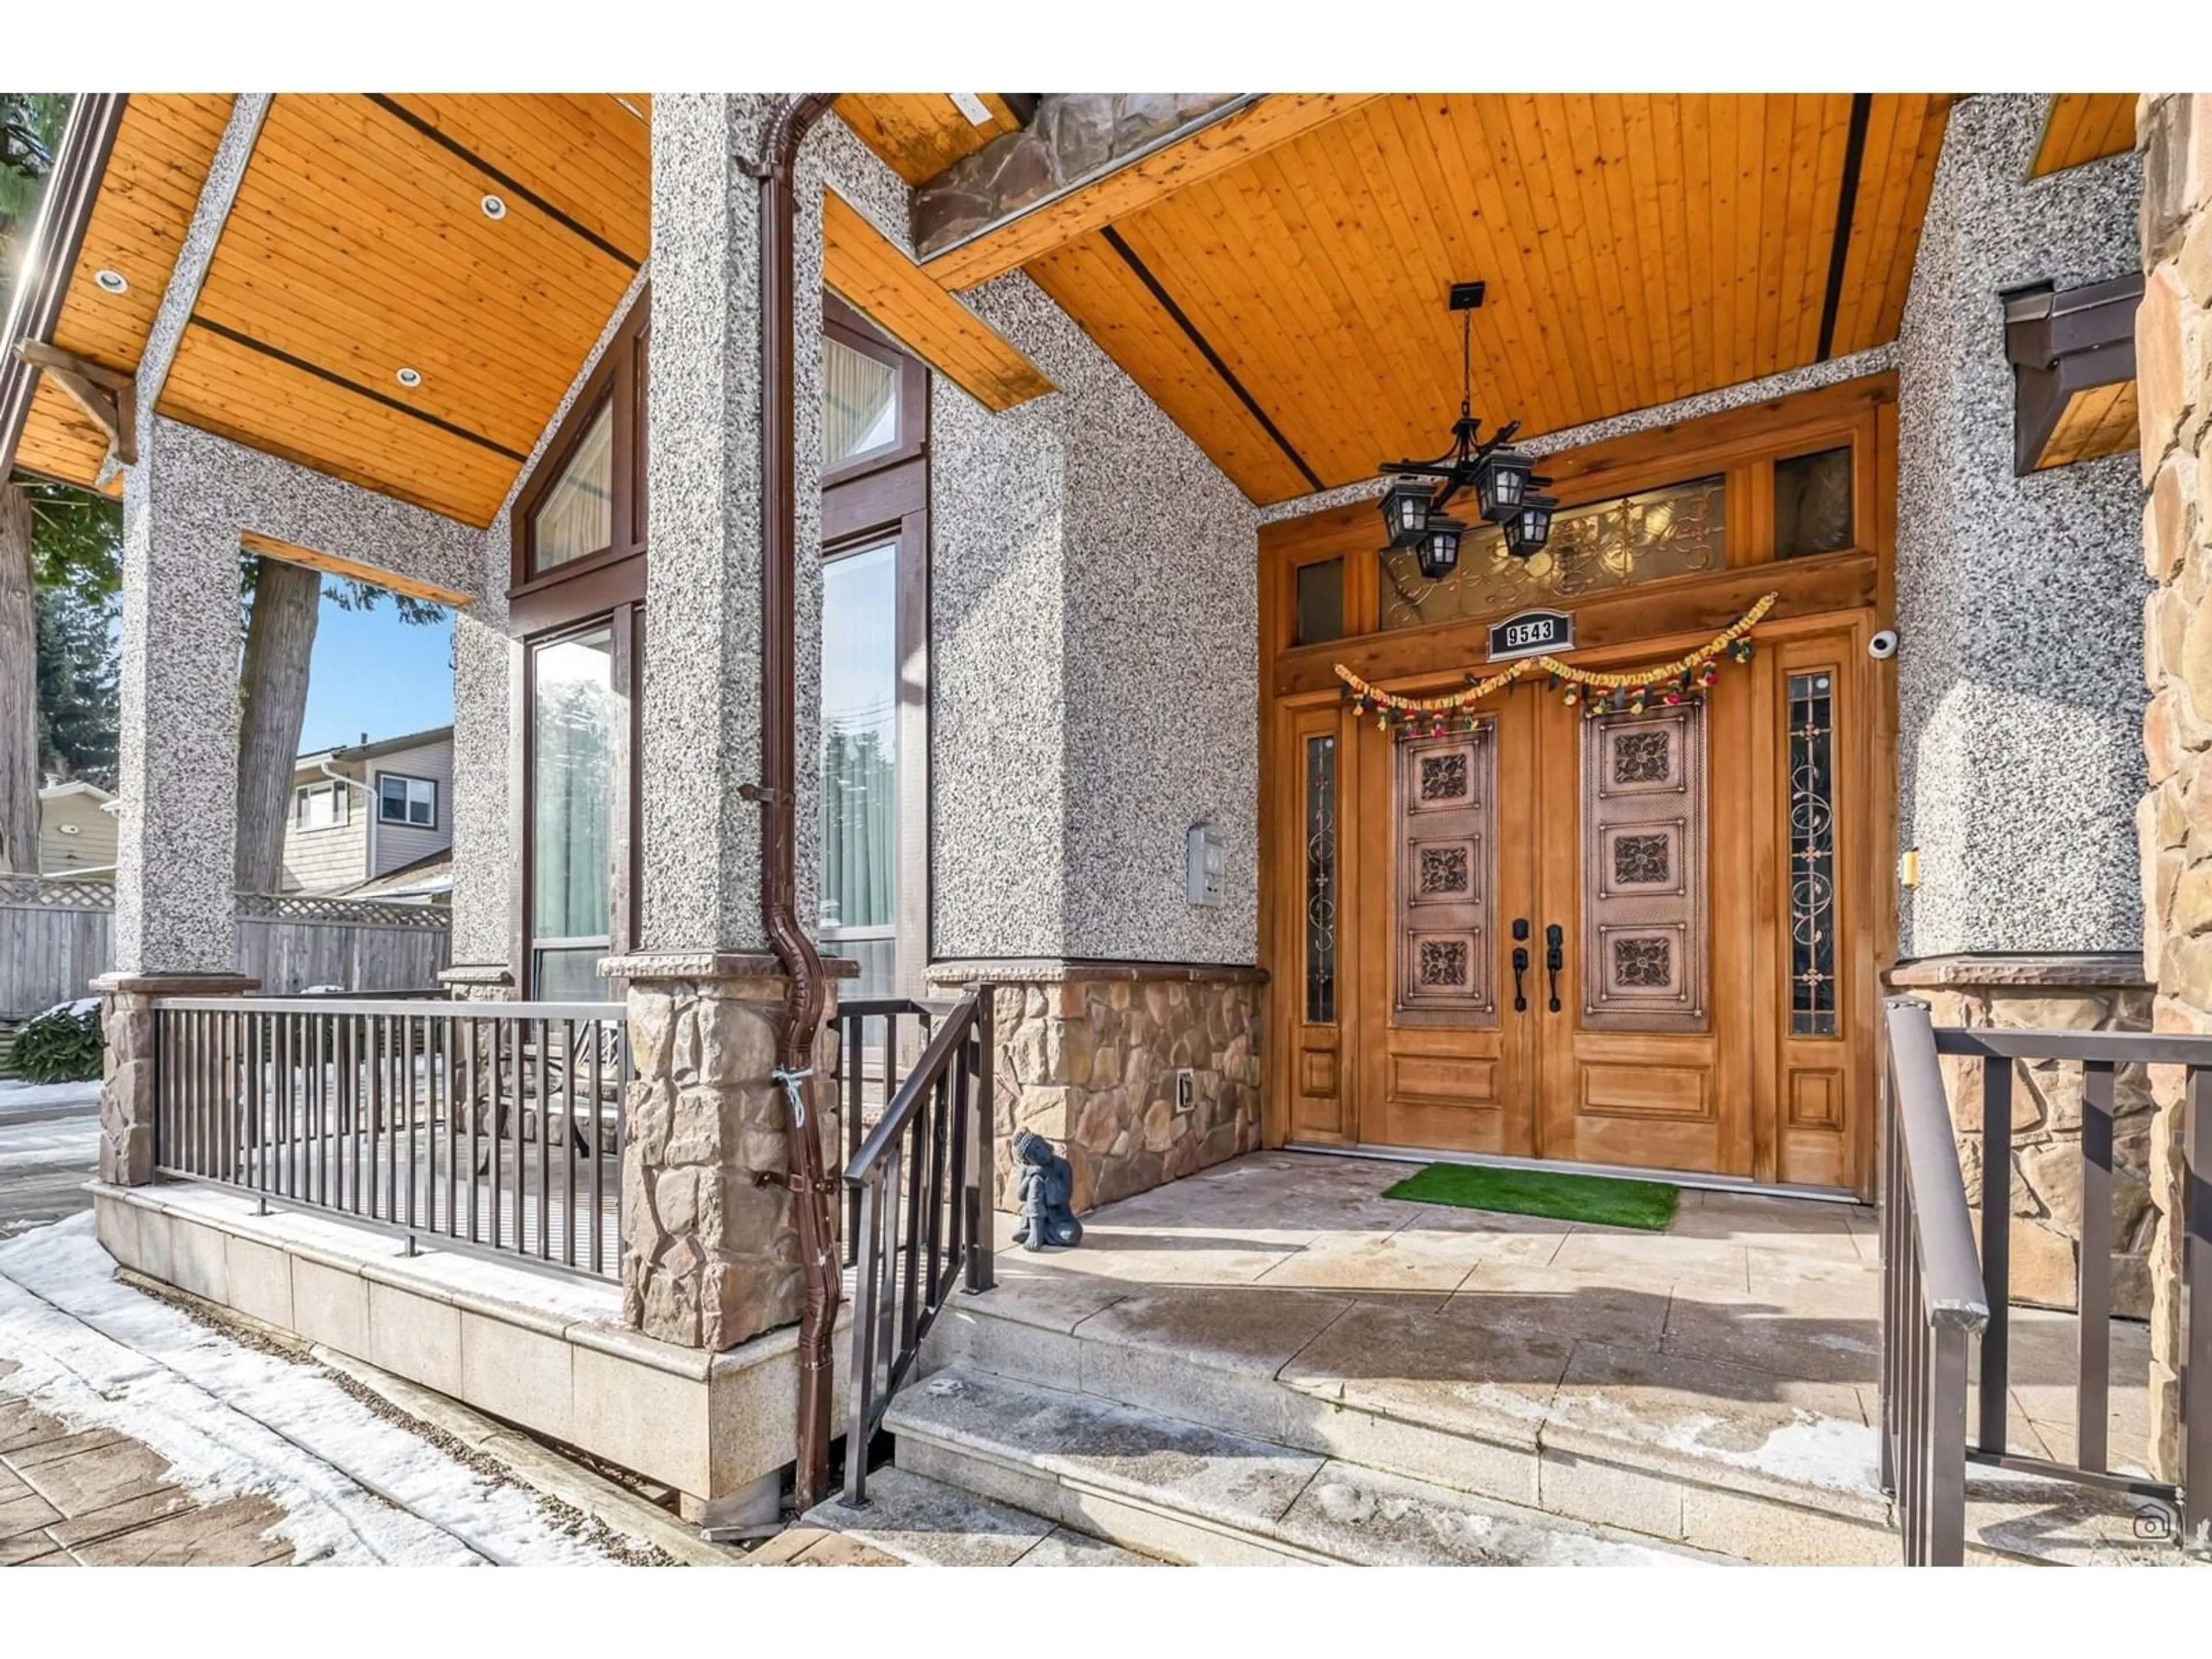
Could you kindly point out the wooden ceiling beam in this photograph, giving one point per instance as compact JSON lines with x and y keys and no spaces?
{"x":1150,"y":178}
{"x":109,"y":399}
{"x":331,"y":564}
{"x":879,"y":280}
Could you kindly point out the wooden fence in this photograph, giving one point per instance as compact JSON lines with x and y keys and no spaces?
{"x":56,"y":936}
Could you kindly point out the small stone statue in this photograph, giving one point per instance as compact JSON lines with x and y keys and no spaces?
{"x":1044,"y":1187}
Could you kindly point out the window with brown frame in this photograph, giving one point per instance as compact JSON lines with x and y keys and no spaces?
{"x":577,"y":610}
{"x":875,"y":699}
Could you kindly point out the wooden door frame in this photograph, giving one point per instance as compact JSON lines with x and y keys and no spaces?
{"x":1853,"y":588}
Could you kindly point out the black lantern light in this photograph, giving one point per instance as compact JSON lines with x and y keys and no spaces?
{"x":1527,"y":530}
{"x":1503,"y":478}
{"x":1406,"y":507}
{"x":1437,"y":550}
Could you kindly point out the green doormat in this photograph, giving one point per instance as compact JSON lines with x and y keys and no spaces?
{"x":1603,"y":1199}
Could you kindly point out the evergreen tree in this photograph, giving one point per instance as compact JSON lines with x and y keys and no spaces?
{"x":78,"y":706}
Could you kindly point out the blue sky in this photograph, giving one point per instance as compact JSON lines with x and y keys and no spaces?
{"x":372,"y":672}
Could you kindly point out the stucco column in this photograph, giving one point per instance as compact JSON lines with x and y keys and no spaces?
{"x":2174,"y":381}
{"x":177,"y":771}
{"x":702,"y":694}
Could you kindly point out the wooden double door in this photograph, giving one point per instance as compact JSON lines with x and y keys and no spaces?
{"x":1629,"y":940}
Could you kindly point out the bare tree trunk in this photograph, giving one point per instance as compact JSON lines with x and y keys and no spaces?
{"x":19,"y":688}
{"x":280,"y":638}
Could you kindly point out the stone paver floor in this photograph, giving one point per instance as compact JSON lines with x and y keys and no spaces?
{"x":1744,"y":1299}
{"x":93,"y":1497}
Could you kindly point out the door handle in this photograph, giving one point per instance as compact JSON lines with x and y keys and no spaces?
{"x":1555,"y":958}
{"x":1520,"y":967}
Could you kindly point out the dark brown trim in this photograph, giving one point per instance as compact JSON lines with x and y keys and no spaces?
{"x":876,"y":501}
{"x":506,"y":181}
{"x":237,"y":338}
{"x":1206,"y":350}
{"x":2063,"y":342}
{"x":1847,"y":196}
{"x":776,"y":793}
{"x":841,"y":323}
{"x":617,"y":381}
{"x":72,"y":188}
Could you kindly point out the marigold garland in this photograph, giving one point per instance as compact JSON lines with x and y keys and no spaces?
{"x":1628,"y":690}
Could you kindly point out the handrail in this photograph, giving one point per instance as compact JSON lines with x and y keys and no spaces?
{"x":919,"y":1191}
{"x":1951,"y":1285}
{"x":360,"y":1004}
{"x":902,"y":1105}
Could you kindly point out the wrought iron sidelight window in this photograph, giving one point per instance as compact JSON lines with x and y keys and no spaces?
{"x":1320,"y":880}
{"x":1812,"y":855}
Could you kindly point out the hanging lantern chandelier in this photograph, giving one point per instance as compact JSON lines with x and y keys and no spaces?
{"x":1507,"y":491}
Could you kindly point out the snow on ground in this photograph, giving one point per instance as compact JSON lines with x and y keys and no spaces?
{"x":355,"y":1488}
{"x":17,"y":1099}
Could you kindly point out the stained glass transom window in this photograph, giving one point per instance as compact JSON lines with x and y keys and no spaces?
{"x":1678,"y":530}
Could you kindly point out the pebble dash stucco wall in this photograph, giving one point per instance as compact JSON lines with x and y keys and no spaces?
{"x":1093,"y":648}
{"x":1094,"y":655}
{"x":2019,"y":601}
{"x":185,"y":503}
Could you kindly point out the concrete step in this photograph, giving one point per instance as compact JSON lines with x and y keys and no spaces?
{"x":927,"y":1523}
{"x":1202,"y":1497}
{"x":1681,"y":1452}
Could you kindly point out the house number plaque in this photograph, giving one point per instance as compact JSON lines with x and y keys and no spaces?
{"x":1531,"y":634}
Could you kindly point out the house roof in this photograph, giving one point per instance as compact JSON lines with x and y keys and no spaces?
{"x":75,"y":787}
{"x":423,"y":740}
{"x":427,"y":877}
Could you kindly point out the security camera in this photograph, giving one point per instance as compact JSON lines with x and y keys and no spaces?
{"x":1883,"y":644}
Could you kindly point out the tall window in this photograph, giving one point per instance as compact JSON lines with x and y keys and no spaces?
{"x":874,"y":690}
{"x":577,"y":606}
{"x":859,"y":761}
{"x":574,"y":728}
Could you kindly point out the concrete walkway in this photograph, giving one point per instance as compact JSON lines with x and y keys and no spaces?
{"x":93,"y":1497}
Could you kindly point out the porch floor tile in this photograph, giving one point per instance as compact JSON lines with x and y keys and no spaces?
{"x":1747,"y":1333}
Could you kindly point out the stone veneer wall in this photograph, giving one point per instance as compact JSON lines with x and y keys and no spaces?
{"x":2173,"y":390}
{"x":1087,"y":1055}
{"x":2018,"y":599}
{"x":2067,"y":994}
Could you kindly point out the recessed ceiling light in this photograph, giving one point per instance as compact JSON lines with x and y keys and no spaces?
{"x":410,"y":377}
{"x":111,"y":281}
{"x":493,"y":207}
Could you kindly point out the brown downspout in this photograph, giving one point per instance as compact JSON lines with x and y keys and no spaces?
{"x":808,"y":1182}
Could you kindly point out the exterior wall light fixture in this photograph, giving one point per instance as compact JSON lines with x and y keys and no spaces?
{"x":1503,"y":478}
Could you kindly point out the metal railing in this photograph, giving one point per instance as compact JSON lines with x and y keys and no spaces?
{"x":486,"y":1126}
{"x":1935,"y":1440}
{"x":1931,"y":1298}
{"x":920,"y":1187}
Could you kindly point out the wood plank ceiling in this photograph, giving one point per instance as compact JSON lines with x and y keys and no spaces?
{"x":2084,"y":127}
{"x":359,"y":244}
{"x":920,"y":134}
{"x":1638,"y":249}
{"x":164,"y":146}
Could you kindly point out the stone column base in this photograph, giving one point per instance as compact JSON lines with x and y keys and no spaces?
{"x":710,"y":1254}
{"x":2066,"y":992}
{"x":127,"y":1081}
{"x":1091,"y":1056}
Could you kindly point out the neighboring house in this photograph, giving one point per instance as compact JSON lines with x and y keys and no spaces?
{"x":76,"y":831}
{"x":363,"y":814}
